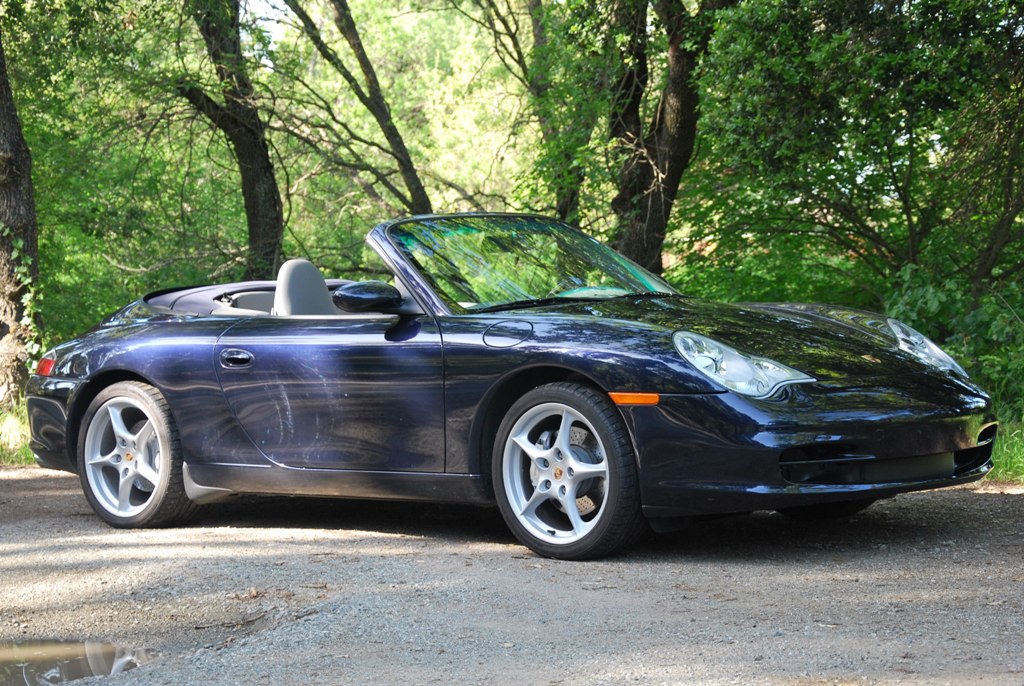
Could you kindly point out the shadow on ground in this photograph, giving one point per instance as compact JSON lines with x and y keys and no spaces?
{"x":918,"y":521}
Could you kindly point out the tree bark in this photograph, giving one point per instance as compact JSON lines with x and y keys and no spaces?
{"x":18,"y":248}
{"x":654,"y":161}
{"x":239,"y":120}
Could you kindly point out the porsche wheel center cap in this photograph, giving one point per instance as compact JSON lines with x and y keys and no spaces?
{"x":558,"y":473}
{"x":129,"y":457}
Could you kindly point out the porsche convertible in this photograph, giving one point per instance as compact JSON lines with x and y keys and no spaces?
{"x":503,"y":359}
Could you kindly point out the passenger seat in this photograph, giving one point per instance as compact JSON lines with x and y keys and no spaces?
{"x":301,"y":290}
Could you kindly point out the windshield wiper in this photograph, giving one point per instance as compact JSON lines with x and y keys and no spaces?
{"x":532,"y":302}
{"x":648,"y":294}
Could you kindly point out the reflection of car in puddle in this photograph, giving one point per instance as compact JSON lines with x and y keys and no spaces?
{"x":36,"y":663}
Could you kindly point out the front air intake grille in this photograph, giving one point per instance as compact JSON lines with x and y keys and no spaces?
{"x":803,"y":466}
{"x":969,"y":459}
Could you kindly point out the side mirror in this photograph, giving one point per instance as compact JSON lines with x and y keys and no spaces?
{"x":366,"y":296}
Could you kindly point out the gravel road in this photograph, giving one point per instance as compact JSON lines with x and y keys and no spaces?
{"x":926,"y":588}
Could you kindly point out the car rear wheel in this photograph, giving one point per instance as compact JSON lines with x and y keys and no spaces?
{"x":129,"y":458}
{"x":564,"y":474}
{"x":839,"y":510}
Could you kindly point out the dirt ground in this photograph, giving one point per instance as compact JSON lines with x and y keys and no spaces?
{"x":926,"y":588}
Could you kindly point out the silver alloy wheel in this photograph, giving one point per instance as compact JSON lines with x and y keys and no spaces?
{"x":555,"y":473}
{"x":123,"y":456}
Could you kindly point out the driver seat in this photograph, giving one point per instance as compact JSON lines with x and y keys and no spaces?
{"x":301,"y":289}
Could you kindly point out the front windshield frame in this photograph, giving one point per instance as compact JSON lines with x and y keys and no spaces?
{"x":516,"y":270}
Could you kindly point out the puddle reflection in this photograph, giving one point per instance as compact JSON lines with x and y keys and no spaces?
{"x":37,"y":663}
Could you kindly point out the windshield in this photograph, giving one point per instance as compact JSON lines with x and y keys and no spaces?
{"x":481,"y":262}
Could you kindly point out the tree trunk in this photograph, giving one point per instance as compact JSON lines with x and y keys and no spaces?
{"x":18,"y":250}
{"x":239,"y":120}
{"x":654,"y":161}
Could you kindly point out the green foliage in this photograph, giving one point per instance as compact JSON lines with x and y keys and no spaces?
{"x":870,"y":155}
{"x":130,"y":195}
{"x":1008,"y":455}
{"x":14,"y":438}
{"x":865,"y":154}
{"x":891,"y":131}
{"x":450,"y":102}
{"x":987,"y":337}
{"x":787,"y":270}
{"x":574,"y":63}
{"x":23,"y":276}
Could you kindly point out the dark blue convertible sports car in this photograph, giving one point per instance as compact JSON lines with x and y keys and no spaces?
{"x":511,"y":359}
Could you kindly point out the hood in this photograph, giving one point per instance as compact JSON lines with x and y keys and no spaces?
{"x":826,"y":342}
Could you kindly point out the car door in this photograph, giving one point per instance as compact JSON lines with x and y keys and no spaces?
{"x":360,"y":392}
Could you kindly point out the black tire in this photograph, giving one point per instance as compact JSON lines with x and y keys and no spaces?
{"x":837,"y":510}
{"x":129,"y":458}
{"x":577,"y":496}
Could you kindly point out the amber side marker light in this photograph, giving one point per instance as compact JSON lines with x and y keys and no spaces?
{"x":45,"y":366}
{"x":635,"y":398}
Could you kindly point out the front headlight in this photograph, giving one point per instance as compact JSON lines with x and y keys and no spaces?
{"x":920,"y":347}
{"x":747,"y":374}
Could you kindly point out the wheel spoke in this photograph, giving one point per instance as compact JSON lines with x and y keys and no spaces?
{"x":530,"y":506}
{"x":568,"y":501}
{"x":586,"y":470}
{"x":144,"y":436}
{"x":148,"y":456}
{"x":564,"y":440}
{"x":102,"y":459}
{"x":124,"y":491}
{"x":117,"y":422}
{"x":532,"y":451}
{"x":147,"y":472}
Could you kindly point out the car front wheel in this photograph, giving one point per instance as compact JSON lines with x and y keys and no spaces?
{"x":564,"y":474}
{"x":129,"y":458}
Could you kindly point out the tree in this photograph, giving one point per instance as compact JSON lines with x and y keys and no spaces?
{"x":370,"y":94}
{"x":582,"y":63}
{"x":655,"y":152}
{"x":890,"y":131}
{"x":17,"y":245}
{"x":239,"y":119}
{"x":885,"y":141}
{"x":561,"y":62}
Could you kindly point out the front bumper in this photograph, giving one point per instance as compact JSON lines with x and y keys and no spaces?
{"x":816,"y":443}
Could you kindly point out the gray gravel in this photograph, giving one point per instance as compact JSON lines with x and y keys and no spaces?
{"x":923,"y":589}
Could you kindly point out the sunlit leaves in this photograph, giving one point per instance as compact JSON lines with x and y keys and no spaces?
{"x":879,"y":141}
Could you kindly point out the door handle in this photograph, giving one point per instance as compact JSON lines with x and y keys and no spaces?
{"x":235,"y":357}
